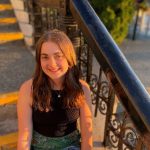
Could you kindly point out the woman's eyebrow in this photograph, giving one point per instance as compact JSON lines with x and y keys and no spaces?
{"x":44,"y":54}
{"x":56,"y":53}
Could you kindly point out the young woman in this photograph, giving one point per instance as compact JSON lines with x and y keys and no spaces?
{"x":51,"y":102}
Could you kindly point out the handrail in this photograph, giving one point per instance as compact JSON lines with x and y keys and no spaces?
{"x":127,"y":85}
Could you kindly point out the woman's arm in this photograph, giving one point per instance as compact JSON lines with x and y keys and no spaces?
{"x":24,"y":112}
{"x":86,"y":119}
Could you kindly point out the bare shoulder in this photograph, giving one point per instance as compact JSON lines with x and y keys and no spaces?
{"x":26,"y":86}
{"x":25,"y":92}
{"x":85,"y":85}
{"x":87,"y":93}
{"x":86,"y":90}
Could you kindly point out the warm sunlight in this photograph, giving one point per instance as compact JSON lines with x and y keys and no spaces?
{"x":5,"y":7}
{"x":8,"y":98}
{"x":5,"y":37}
{"x":7,"y":20}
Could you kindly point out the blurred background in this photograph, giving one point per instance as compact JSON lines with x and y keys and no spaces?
{"x":21,"y":24}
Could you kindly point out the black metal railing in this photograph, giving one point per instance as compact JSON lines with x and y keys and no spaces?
{"x":112,"y":75}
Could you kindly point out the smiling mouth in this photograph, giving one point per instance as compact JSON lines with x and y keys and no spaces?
{"x":53,"y":70}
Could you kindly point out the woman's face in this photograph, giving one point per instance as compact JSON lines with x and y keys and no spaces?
{"x":53,"y":62}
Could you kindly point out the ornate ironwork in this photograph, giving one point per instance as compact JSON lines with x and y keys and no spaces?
{"x":70,"y":26}
{"x":120,"y":133}
{"x":42,"y":17}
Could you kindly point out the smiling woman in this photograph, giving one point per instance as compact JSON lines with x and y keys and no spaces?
{"x":53,"y":62}
{"x":50,"y":103}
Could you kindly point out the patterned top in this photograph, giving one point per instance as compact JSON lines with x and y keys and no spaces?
{"x":58,"y":122}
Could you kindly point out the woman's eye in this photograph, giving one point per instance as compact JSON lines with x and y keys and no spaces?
{"x":59,"y":56}
{"x":44,"y":57}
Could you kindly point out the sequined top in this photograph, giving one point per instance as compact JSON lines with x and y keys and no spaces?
{"x":58,"y":122}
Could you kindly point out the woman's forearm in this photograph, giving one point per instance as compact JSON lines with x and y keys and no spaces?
{"x":24,"y":141}
{"x":86,"y":146}
{"x":23,"y":145}
{"x":87,"y":143}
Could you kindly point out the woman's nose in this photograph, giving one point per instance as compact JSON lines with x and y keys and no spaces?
{"x":52,"y":62}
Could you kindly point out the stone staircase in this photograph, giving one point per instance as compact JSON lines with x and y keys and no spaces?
{"x":16,"y":66}
{"x":12,"y":51}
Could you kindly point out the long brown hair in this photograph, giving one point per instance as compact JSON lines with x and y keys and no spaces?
{"x":73,"y":93}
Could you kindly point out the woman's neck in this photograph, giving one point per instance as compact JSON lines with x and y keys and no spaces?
{"x":56,"y":85}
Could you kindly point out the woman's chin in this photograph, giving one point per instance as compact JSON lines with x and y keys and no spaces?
{"x":55,"y":77}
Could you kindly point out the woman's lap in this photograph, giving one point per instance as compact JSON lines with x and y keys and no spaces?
{"x":68,"y":142}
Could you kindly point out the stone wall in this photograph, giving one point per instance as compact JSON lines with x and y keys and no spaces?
{"x":22,"y":16}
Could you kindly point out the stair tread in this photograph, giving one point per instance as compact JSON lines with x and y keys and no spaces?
{"x":9,"y":138}
{"x":5,"y":1}
{"x":4,"y":7}
{"x":8,"y":98}
{"x":10,"y":36}
{"x":7,"y":13}
{"x":9,"y":28}
{"x":9,"y":20}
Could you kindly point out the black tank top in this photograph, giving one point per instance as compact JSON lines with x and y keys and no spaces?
{"x":58,"y":122}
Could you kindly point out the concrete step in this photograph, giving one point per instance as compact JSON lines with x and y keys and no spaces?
{"x":8,"y":114}
{"x":9,"y":141}
{"x":4,"y":7}
{"x":6,"y":14}
{"x":8,"y":28}
{"x":16,"y":65}
{"x":12,"y":36}
{"x":7,"y":21}
{"x":8,"y":98}
{"x":10,"y":44}
{"x":5,"y":1}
